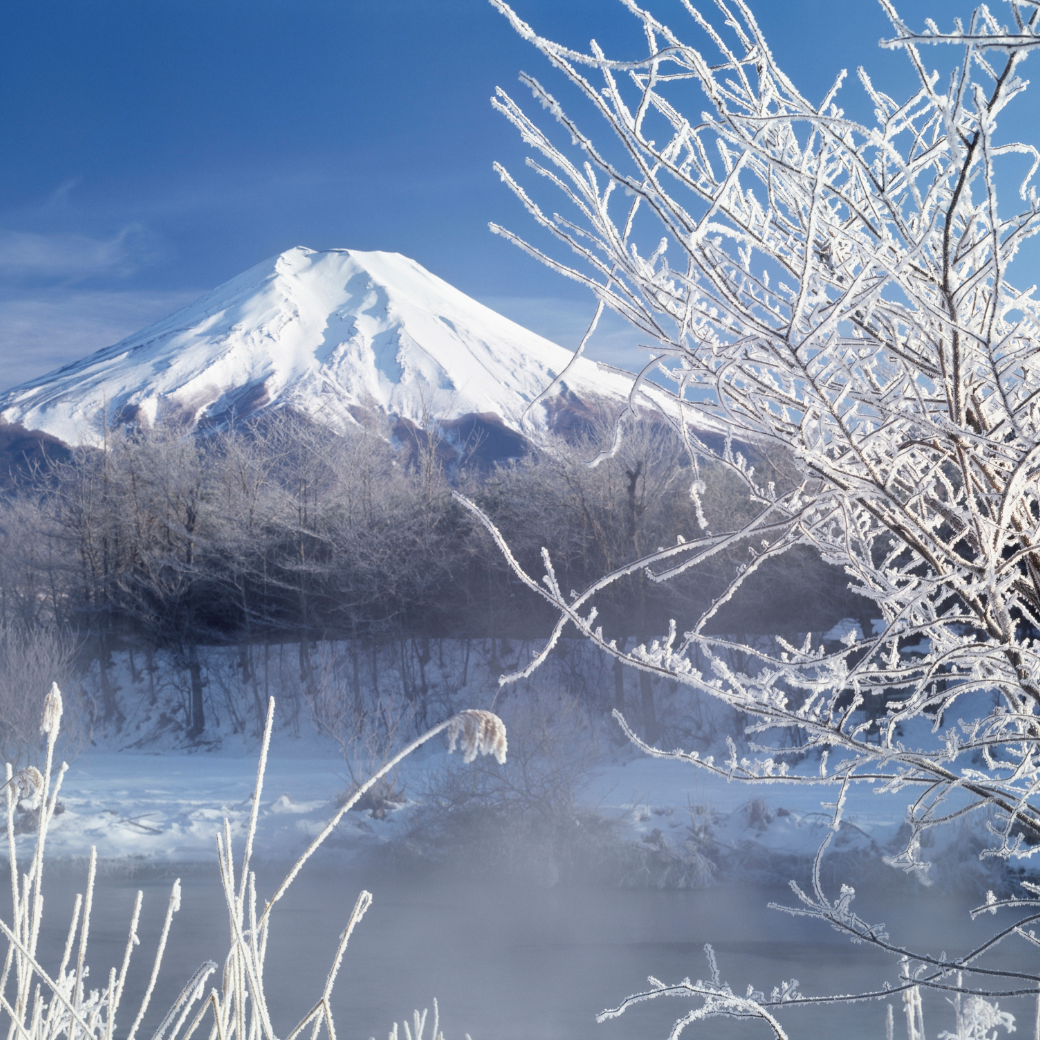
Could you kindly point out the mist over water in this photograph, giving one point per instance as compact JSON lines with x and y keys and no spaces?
{"x":508,"y":961}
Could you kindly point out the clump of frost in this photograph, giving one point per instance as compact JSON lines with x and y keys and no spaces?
{"x":25,"y":783}
{"x":477,"y":732}
{"x":978,"y":1019}
{"x":52,"y":710}
{"x":415,"y":1031}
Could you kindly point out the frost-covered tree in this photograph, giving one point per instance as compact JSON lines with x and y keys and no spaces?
{"x":837,"y":292}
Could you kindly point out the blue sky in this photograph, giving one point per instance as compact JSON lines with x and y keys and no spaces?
{"x":154,"y":148}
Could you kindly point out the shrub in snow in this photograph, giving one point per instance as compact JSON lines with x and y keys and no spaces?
{"x":836,"y":293}
{"x":529,"y":821}
{"x":46,"y":1004}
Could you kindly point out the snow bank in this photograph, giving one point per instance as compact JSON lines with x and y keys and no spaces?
{"x":143,"y":795}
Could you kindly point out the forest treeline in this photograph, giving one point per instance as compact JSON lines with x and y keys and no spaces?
{"x":283,"y":531}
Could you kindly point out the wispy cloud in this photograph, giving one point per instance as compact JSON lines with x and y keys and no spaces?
{"x":44,"y":331}
{"x":28,"y":256}
{"x":61,"y":196}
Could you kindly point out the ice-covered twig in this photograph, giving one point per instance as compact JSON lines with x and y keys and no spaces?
{"x":835,"y":292}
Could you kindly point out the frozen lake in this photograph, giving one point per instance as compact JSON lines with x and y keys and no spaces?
{"x":508,"y":962}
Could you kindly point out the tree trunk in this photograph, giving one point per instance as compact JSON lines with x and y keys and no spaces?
{"x":646,"y":692}
{"x":108,"y":692}
{"x":355,"y":661}
{"x":198,"y":712}
{"x":150,"y":668}
{"x":619,"y":679}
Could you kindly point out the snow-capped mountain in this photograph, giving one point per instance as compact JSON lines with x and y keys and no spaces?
{"x":327,"y":333}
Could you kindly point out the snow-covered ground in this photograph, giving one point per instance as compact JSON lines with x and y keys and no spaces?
{"x":142,"y":795}
{"x":167,"y":807}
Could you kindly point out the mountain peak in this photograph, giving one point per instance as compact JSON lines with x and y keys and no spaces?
{"x":325,"y":333}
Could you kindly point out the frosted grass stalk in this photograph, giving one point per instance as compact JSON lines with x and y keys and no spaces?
{"x":46,"y":1008}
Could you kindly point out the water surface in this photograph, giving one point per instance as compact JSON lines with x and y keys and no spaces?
{"x":512,"y":962}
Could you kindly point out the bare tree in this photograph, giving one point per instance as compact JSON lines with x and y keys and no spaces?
{"x":32,"y":658}
{"x":33,"y":563}
{"x":594,"y":520}
{"x":837,"y":291}
{"x":92,"y":535}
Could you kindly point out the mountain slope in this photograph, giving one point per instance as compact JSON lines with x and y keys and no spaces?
{"x":326,"y":333}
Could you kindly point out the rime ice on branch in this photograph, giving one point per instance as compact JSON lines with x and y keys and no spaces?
{"x":837,"y":294}
{"x":477,"y":732}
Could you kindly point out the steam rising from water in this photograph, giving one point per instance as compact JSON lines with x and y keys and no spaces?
{"x":508,"y":961}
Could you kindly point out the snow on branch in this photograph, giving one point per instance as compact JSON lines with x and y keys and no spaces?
{"x":838,"y":293}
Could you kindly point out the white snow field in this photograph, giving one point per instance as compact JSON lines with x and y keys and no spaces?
{"x":326,"y":333}
{"x":152,"y":808}
{"x":143,"y":795}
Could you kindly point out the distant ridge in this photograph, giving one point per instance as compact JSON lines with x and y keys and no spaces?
{"x":332,"y":335}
